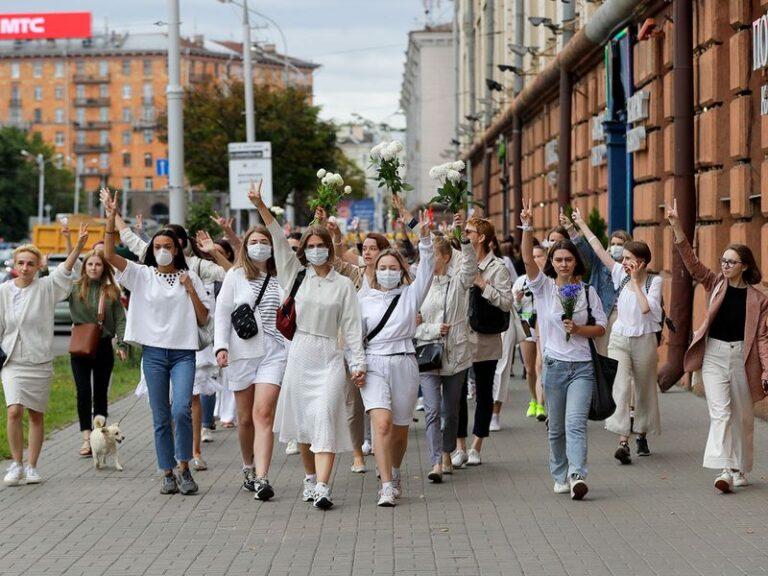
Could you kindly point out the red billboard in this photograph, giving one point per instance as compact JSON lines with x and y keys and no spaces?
{"x":45,"y":25}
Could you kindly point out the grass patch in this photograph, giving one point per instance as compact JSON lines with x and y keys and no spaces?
{"x":62,"y":407}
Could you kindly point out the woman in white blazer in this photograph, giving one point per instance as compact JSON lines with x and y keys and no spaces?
{"x":255,"y":365}
{"x":26,"y":324}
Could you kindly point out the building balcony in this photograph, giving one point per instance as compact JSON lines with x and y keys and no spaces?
{"x":92,"y":102}
{"x":15,"y":102}
{"x":20,"y":124}
{"x":94,"y":171}
{"x":92,"y":148}
{"x":93,"y":125}
{"x":91,"y":78}
{"x":145,"y":123}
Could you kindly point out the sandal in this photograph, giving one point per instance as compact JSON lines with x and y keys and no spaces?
{"x":85,"y":449}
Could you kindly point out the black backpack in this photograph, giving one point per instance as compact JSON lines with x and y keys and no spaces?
{"x":484,"y":317}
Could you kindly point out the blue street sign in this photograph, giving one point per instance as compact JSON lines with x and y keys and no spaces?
{"x":162,"y":166}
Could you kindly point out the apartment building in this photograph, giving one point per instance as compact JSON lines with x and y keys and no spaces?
{"x":98,"y":100}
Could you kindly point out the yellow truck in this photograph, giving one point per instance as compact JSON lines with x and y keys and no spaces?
{"x":49,"y":239}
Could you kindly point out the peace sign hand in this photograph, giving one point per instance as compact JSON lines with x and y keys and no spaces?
{"x":526,"y":214}
{"x":82,"y":235}
{"x":672,"y":213}
{"x":254,"y":194}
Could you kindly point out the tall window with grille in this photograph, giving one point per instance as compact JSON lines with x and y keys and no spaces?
{"x":148,"y":183}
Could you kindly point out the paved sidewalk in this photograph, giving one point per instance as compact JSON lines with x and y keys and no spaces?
{"x":658,"y":516}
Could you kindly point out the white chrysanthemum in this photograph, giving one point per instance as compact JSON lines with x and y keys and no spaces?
{"x":377,"y":150}
{"x":347,"y":189}
{"x":277,"y":210}
{"x":327,"y":179}
{"x":321,"y":173}
{"x":458,"y":165}
{"x":453,"y":175}
{"x":439,"y":172}
{"x":338,"y":180}
{"x":397,"y":146}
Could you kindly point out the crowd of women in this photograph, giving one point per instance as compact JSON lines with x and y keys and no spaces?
{"x":312,"y":341}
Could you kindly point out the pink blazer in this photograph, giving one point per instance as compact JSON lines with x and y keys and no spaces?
{"x":755,"y":330}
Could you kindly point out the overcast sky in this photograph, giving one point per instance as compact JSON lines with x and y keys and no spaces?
{"x":359,"y":43}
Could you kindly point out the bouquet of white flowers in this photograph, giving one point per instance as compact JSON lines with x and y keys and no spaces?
{"x":278,"y":211}
{"x":452,"y":192}
{"x":385,"y":157}
{"x":329,"y":192}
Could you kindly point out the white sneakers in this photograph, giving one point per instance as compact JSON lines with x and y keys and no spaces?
{"x":358,"y":468}
{"x":740,"y":479}
{"x":724,"y":482}
{"x":420,"y":404}
{"x":397,"y":486}
{"x":323,"y":497}
{"x":562,"y":488}
{"x":495,"y":424}
{"x":578,"y":487}
{"x":367,"y":448}
{"x":386,"y":496}
{"x":473,"y":458}
{"x":458,"y":458}
{"x":206,"y":435}
{"x":308,"y":494}
{"x":292,"y":447}
{"x":15,"y":474}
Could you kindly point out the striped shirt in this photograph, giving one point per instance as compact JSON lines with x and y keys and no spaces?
{"x":268,"y":305}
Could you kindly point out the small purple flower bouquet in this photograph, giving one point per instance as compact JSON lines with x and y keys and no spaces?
{"x":569,"y":295}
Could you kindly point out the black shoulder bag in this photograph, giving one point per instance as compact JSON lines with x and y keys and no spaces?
{"x":484,"y":317}
{"x":383,"y":322}
{"x":243,"y":319}
{"x":429,"y":356}
{"x":602,"y":405}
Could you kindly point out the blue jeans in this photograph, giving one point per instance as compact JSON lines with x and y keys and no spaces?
{"x":208,"y":404}
{"x":568,"y":389}
{"x":172,"y":419}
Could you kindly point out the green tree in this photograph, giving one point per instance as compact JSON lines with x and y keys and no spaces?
{"x":199,"y":217}
{"x":302,"y":143}
{"x":19,"y":182}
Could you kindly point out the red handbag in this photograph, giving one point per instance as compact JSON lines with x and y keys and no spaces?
{"x":285,"y":321}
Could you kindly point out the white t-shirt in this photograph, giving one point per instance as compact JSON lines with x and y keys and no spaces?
{"x":550,"y":324}
{"x":160,"y":312}
{"x":630,"y":321}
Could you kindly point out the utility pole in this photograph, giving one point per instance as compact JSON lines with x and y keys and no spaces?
{"x":40,"y":187}
{"x":175,"y":98}
{"x":250,"y":122}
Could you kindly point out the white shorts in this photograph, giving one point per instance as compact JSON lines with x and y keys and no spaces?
{"x":392,"y":383}
{"x":267,"y":369}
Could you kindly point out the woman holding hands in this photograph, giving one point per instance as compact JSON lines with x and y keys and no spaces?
{"x":632,"y":342}
{"x":312,"y":404}
{"x":563,"y":305}
{"x":731,"y":350}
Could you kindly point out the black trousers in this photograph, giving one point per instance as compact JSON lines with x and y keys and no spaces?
{"x":97,"y":370}
{"x":484,"y":373}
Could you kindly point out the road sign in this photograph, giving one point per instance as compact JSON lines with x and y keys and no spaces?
{"x":162,"y":166}
{"x":249,"y":162}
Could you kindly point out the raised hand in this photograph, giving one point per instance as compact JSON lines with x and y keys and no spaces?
{"x":564,"y":222}
{"x":333,"y":228}
{"x":526,"y":214}
{"x":577,"y":217}
{"x":104,"y":195}
{"x":204,"y":241}
{"x":321,"y":216}
{"x":109,"y":201}
{"x":65,"y":231}
{"x":423,"y":224}
{"x":82,"y":235}
{"x":458,"y":220}
{"x":254,"y":194}
{"x":225,"y":223}
{"x":672,"y":213}
{"x":139,"y":223}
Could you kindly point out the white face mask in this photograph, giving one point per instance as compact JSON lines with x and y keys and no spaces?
{"x":617,"y":252}
{"x":163,"y":257}
{"x":388,"y":278}
{"x":546,"y":244}
{"x":259,"y":252}
{"x":317,"y":256}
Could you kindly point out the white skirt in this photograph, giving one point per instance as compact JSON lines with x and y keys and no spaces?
{"x":312,"y":404}
{"x":27,"y":384}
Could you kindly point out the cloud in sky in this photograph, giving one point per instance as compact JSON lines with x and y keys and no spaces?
{"x":360,"y":44}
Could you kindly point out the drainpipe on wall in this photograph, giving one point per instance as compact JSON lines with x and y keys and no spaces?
{"x":566,"y":104}
{"x":517,"y":125}
{"x":469,"y":25}
{"x":489,"y":44}
{"x":681,"y":305}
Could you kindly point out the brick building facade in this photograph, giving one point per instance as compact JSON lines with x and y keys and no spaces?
{"x":97,"y":102}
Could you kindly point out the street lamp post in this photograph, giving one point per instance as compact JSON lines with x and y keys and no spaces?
{"x":175,"y":102}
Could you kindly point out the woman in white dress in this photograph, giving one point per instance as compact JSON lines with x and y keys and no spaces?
{"x":392,"y":383}
{"x":312,"y":405}
{"x":26,"y":330}
{"x":255,"y":365}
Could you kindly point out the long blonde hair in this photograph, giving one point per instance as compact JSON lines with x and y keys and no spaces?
{"x":107,"y":279}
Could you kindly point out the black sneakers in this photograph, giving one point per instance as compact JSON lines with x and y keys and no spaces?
{"x":642,"y":447}
{"x":249,"y":482}
{"x":263,"y":490}
{"x":622,"y":453}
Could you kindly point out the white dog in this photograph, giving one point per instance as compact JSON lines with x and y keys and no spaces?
{"x":104,"y":441}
